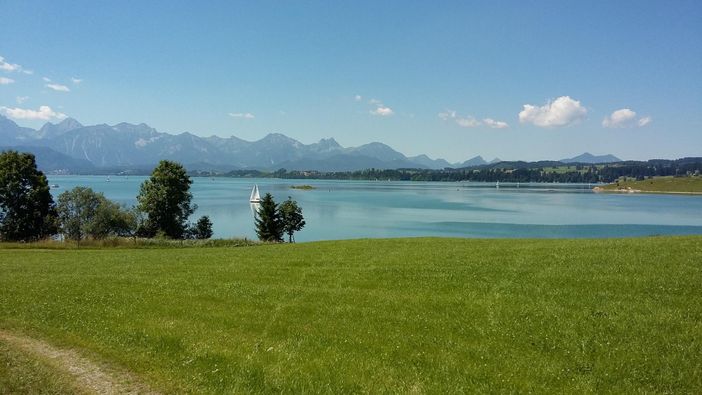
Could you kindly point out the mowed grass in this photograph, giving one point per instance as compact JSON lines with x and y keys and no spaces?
{"x":402,"y":315}
{"x":689,"y":184}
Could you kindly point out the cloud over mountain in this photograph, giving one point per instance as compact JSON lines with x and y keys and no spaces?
{"x":563,"y":111}
{"x":470,"y":122}
{"x":44,"y":113}
{"x":625,"y":118}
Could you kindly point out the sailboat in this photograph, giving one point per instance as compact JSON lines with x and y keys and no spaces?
{"x":255,"y":197}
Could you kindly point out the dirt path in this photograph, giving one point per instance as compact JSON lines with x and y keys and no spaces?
{"x":88,"y":375}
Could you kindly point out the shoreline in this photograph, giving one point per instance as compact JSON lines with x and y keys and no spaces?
{"x":633,"y":191}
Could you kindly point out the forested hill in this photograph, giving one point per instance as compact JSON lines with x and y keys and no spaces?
{"x":544,"y":171}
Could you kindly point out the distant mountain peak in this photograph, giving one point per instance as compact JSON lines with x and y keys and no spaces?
{"x":590,"y":158}
{"x":130,"y":127}
{"x":71,"y":122}
{"x":474,"y":161}
{"x":496,"y":160}
{"x":50,"y":130}
{"x":329,"y":142}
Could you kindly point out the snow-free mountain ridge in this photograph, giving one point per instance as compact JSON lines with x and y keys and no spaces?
{"x":126,"y":145}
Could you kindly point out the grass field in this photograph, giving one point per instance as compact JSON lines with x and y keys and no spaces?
{"x":692,"y":184}
{"x":403,"y":315}
{"x":23,"y":374}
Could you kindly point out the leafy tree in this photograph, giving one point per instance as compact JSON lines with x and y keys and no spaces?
{"x":85,"y":213}
{"x":203,"y":228}
{"x":27,"y":210}
{"x":165,"y":200}
{"x":291,"y":216}
{"x":126,"y":223}
{"x":269,"y":226}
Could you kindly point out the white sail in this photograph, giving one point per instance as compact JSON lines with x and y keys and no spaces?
{"x":255,"y":197}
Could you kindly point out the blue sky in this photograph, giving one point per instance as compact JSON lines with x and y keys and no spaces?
{"x":515,"y":80}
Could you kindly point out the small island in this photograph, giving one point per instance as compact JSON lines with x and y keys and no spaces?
{"x":690,"y":185}
{"x":303,"y":187}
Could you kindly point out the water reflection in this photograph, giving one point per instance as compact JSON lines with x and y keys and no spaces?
{"x":254,"y":210}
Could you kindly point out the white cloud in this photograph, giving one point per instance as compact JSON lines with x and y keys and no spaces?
{"x":467,"y":122}
{"x":30,"y":72}
{"x":358,"y":98}
{"x":6,"y":66}
{"x":563,"y":111}
{"x":76,"y":80}
{"x":245,"y":115}
{"x":58,"y":87}
{"x":645,"y":121}
{"x":45,"y":113}
{"x":383,"y":111}
{"x":448,"y":114}
{"x":6,"y":81}
{"x":625,"y":118}
{"x":495,"y":124}
{"x":22,"y":99}
{"x":470,"y":121}
{"x":46,"y":79}
{"x":380,"y":109}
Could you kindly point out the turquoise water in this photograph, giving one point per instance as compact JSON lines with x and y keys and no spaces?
{"x":358,"y":209}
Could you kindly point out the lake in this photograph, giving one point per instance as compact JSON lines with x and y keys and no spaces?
{"x":372,"y":209}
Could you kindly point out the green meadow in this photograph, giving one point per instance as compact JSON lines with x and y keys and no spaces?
{"x":367,"y":316}
{"x":688,"y":184}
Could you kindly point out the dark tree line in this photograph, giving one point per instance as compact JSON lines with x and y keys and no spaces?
{"x":28,"y":211}
{"x":547,"y":171}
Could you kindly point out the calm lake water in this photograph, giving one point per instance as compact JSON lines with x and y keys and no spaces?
{"x":360,"y":209}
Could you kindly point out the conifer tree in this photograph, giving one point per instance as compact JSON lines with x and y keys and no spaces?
{"x":269,"y":226}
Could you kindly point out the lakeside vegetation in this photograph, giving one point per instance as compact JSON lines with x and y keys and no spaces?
{"x":127,"y":243}
{"x":519,"y":171}
{"x":28,"y":212}
{"x":690,"y":184}
{"x":303,"y":187}
{"x":425,"y":315}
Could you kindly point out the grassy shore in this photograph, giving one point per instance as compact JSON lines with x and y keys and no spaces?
{"x":129,"y":243}
{"x":687,"y":185}
{"x":402,"y":315}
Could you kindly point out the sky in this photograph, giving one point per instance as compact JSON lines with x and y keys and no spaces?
{"x":518,"y":80}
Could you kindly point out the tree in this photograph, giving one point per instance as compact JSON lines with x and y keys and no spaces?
{"x":291,"y":216}
{"x":203,"y":228}
{"x":27,"y":210}
{"x":165,"y":200}
{"x":269,"y":226}
{"x":85,"y":213}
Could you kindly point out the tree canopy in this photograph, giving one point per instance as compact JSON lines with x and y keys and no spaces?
{"x":165,"y":199}
{"x":291,"y":217}
{"x":27,"y":210}
{"x":269,"y":226}
{"x":203,"y":228}
{"x":85,"y":213}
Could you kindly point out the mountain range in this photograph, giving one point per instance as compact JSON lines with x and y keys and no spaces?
{"x":69,"y":146}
